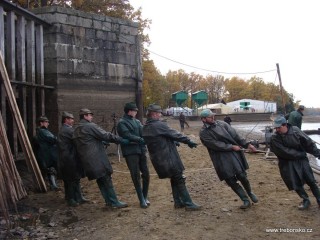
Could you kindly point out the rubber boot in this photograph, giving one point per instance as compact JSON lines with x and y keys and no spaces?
{"x":141,"y":198}
{"x":108,"y":193}
{"x":115,"y":203}
{"x":243,"y":196}
{"x":104,"y":192}
{"x":78,"y":193}
{"x":316,"y":192}
{"x":70,"y":195}
{"x":52,"y":182}
{"x":186,"y":199}
{"x":245,"y":183}
{"x":305,"y":204}
{"x":66,"y":197}
{"x":176,"y":197}
{"x":145,"y":189}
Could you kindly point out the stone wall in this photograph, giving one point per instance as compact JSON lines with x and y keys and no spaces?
{"x":91,"y":60}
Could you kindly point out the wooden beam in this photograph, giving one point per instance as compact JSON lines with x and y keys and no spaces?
{"x":2,"y":49}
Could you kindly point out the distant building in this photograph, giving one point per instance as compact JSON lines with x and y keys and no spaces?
{"x":175,"y":111}
{"x":251,"y":105}
{"x":218,"y":108}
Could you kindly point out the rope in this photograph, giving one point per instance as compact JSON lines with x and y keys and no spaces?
{"x":154,"y":174}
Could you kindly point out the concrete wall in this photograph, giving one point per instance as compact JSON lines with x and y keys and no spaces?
{"x":91,"y":60}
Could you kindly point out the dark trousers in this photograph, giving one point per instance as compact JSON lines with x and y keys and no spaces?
{"x":237,"y":188}
{"x":137,"y":163}
{"x":311,"y":182}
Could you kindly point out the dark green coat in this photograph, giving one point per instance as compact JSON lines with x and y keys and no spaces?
{"x":88,"y":138}
{"x":291,"y":149}
{"x":219,"y":138}
{"x":160,"y":140}
{"x":46,"y":149}
{"x":70,"y":167}
{"x":295,"y":118}
{"x":131,"y":129}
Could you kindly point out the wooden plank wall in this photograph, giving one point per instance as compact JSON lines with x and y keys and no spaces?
{"x":21,"y":45}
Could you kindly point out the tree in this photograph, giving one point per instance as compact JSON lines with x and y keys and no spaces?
{"x":215,"y":87}
{"x":236,"y":88}
{"x":256,"y":88}
{"x":153,"y":84}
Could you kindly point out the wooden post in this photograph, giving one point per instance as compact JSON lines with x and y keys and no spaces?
{"x":281,"y":90}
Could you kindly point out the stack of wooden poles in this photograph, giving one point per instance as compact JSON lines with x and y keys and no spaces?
{"x":11,"y":188}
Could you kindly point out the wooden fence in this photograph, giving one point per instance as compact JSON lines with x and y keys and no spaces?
{"x":21,"y":45}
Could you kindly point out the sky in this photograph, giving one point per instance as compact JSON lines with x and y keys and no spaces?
{"x":236,"y":37}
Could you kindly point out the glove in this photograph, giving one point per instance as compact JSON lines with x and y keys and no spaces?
{"x":192,"y":144}
{"x":124,"y":141}
{"x":177,"y":144}
{"x":141,"y":141}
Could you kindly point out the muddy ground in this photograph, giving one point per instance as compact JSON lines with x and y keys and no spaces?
{"x":275,"y":216}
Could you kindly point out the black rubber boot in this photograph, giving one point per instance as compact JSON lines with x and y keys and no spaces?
{"x":69,"y":194}
{"x":305,"y":204}
{"x":108,"y":193}
{"x":243,"y":196}
{"x":72,"y":203}
{"x":104,"y":192}
{"x":78,"y":193}
{"x":186,"y":199}
{"x":315,"y":191}
{"x":115,"y":203}
{"x":65,"y":184}
{"x":246,"y":184}
{"x":137,"y":185}
{"x":176,"y":197}
{"x":145,"y":189}
{"x":141,"y":198}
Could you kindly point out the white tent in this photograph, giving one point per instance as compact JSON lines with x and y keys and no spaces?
{"x":175,"y":111}
{"x":252,"y":105}
{"x":219,"y":108}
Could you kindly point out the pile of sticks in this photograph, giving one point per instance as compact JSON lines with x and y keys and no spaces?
{"x":11,"y":188}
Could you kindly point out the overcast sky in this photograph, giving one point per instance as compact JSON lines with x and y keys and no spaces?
{"x":239,"y":36}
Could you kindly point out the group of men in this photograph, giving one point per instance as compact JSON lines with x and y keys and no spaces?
{"x":82,"y":153}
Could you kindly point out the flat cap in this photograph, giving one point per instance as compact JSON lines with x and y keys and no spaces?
{"x":85,"y":111}
{"x":154,"y":108}
{"x":67,"y":115}
{"x":278,"y":122}
{"x":206,"y":113}
{"x":43,"y":119}
{"x":131,"y":106}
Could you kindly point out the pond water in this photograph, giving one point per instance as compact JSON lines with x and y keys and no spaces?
{"x":316,"y":138}
{"x":260,"y":128}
